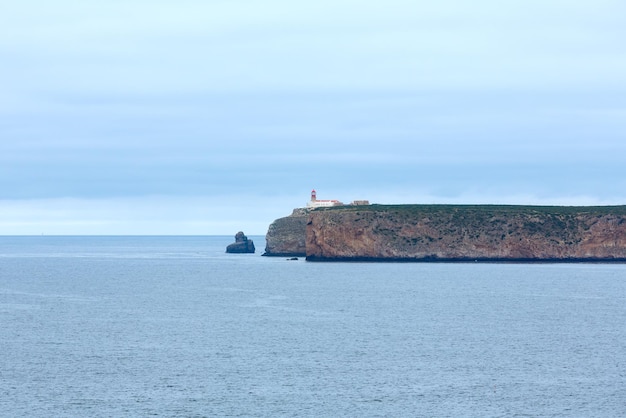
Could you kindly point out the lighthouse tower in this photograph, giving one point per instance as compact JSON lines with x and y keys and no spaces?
{"x":313,"y":195}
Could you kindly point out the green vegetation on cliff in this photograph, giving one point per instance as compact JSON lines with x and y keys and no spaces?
{"x":482,"y":209}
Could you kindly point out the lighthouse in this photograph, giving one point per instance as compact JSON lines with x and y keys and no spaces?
{"x":314,"y":203}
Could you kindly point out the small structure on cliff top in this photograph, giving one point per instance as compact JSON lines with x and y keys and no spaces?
{"x":242,"y":245}
{"x":315,"y":203}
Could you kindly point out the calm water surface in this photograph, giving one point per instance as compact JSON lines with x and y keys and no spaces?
{"x":173,"y":326}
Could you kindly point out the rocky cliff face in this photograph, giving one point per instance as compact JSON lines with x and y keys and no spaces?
{"x":286,"y":236}
{"x":467,"y":232}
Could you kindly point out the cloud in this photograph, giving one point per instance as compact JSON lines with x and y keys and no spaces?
{"x":115,"y":101}
{"x":225,"y":215}
{"x":148,"y":215}
{"x":242,"y":45}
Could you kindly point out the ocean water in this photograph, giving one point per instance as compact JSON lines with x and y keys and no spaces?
{"x":174,"y":327}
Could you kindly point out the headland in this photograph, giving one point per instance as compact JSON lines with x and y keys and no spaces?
{"x":452,"y":233}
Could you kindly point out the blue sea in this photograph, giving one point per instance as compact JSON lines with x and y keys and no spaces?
{"x":174,"y":327}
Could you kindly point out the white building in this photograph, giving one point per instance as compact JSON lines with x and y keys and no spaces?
{"x":314,"y":203}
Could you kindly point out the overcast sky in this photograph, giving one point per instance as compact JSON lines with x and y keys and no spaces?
{"x":213,"y":116}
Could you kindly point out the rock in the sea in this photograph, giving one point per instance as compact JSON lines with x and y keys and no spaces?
{"x":242,"y":245}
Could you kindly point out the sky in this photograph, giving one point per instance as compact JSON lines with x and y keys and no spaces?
{"x":206,"y":117}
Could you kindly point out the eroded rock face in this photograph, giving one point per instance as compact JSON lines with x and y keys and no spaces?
{"x":242,"y":245}
{"x":467,"y":232}
{"x":286,"y":236}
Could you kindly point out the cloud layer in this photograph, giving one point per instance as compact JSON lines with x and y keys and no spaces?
{"x":223,"y":104}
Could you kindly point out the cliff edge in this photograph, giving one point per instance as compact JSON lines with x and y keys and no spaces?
{"x":286,"y":237}
{"x":466,"y":233}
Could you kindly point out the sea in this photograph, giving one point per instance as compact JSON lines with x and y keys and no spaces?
{"x":122,"y":326}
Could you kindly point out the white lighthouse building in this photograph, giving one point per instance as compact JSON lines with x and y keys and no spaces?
{"x":314,"y":203}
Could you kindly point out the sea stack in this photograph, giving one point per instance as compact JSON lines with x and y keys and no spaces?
{"x":242,"y":245}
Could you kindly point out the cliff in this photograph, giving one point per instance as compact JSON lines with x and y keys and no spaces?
{"x":466,"y":233}
{"x":286,"y":236}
